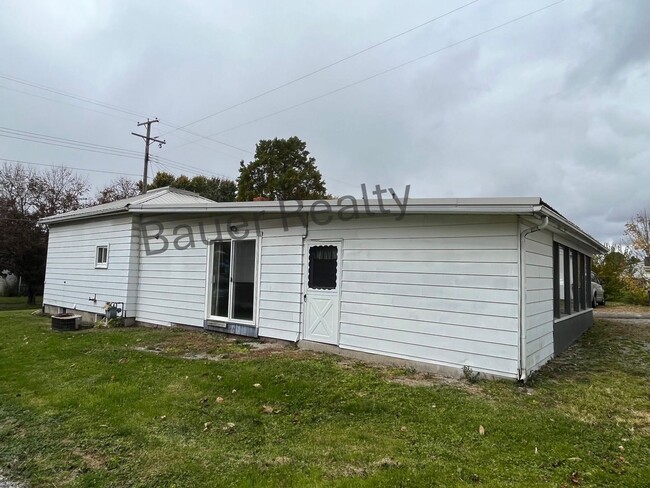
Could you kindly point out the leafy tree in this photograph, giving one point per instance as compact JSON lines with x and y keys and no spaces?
{"x":622,"y":279}
{"x":118,"y":189}
{"x":281,"y":170}
{"x":161,"y":180}
{"x":217,"y":189}
{"x":25,"y":197}
{"x":23,"y":249}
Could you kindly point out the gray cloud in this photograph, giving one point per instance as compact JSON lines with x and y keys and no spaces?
{"x":554,"y":105}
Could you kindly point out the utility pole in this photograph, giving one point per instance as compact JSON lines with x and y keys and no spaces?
{"x":147,"y":142}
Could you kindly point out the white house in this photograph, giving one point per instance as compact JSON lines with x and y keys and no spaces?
{"x":497,"y":284}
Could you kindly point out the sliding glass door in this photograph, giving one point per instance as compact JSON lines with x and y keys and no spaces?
{"x":233,"y":280}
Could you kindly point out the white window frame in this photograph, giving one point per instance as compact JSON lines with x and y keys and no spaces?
{"x":208,"y":295}
{"x":98,"y":264}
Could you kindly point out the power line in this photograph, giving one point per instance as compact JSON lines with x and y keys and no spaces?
{"x":96,"y":148}
{"x":72,"y":142}
{"x":376,"y":75}
{"x":65,"y":165}
{"x":104,"y":105}
{"x":323,"y":68}
{"x":188,"y":168}
{"x":71,"y":95}
{"x":71,"y":146}
{"x":66,"y":103}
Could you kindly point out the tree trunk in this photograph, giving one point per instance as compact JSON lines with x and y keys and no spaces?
{"x":31,"y":295}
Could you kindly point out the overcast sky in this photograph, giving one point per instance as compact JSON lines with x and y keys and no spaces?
{"x":553,"y":105}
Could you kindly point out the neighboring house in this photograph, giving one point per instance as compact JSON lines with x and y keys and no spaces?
{"x":437,"y":283}
{"x":8,"y":282}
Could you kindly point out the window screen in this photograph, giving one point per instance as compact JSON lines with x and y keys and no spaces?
{"x":101,"y":258}
{"x":322,"y":267}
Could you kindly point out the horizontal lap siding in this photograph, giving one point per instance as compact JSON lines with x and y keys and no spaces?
{"x":440,"y":289}
{"x":71,"y":277}
{"x":172,"y":285}
{"x":280,"y":297}
{"x":538,"y":259}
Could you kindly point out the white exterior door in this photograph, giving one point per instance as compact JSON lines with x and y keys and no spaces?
{"x":322,"y":296}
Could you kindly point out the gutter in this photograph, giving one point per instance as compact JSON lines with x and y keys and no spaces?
{"x":523,"y":373}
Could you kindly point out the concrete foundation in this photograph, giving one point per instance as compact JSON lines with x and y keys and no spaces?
{"x":87,"y":318}
{"x":391,"y":361}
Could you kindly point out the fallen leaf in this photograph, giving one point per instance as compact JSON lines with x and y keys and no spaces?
{"x":621,"y":448}
{"x":574,"y":459}
{"x":219,"y":377}
{"x":229,"y":426}
{"x":203,"y":400}
{"x":206,"y":426}
{"x":481,"y":430}
{"x":535,"y":450}
{"x":267,"y":409}
{"x":163,"y":417}
{"x":403,"y":429}
{"x":257,"y":385}
{"x":219,"y":400}
{"x":234,"y":391}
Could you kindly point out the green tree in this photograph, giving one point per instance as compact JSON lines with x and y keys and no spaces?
{"x":161,"y":180}
{"x":619,"y":271}
{"x":281,"y":170}
{"x":216,"y":189}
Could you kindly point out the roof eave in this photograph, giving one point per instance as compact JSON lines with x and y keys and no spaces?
{"x":62,"y":218}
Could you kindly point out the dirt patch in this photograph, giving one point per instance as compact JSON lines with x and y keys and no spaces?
{"x":93,"y":459}
{"x":202,"y":356}
{"x":428,"y":380}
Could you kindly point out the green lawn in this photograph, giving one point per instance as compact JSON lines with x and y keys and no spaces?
{"x":123,"y":407}
{"x":18,"y":303}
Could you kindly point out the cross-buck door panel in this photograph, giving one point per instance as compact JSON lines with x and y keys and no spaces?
{"x":322,"y":301}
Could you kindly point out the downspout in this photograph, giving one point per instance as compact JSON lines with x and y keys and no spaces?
{"x":523,"y":373}
{"x":303,"y":285}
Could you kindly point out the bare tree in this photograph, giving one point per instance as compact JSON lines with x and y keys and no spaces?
{"x":637,"y":235}
{"x":15,"y":182}
{"x":57,"y":190}
{"x":117,"y":189}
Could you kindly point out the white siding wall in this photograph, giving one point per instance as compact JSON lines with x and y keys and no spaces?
{"x":439,"y":289}
{"x":281,"y":279}
{"x":172,"y":285}
{"x":71,"y":277}
{"x":538,"y":259}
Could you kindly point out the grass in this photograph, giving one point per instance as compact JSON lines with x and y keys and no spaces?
{"x":18,"y":303}
{"x":138,"y":407}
